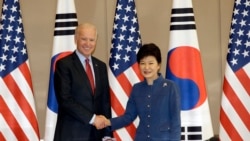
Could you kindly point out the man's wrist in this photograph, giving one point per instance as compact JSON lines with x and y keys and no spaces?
{"x":92,"y":119}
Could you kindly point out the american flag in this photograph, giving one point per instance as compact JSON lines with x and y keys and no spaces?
{"x":18,"y":119}
{"x":123,"y":68}
{"x":184,"y":67}
{"x":65,"y":24}
{"x":235,"y":102}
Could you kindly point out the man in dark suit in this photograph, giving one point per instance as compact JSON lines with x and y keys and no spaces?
{"x":80,"y":104}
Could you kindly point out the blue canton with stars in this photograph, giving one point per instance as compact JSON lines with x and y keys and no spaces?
{"x":126,"y":39}
{"x":239,"y":43}
{"x":13,"y":47}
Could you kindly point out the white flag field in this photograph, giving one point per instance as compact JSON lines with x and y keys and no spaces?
{"x":184,"y":66}
{"x":63,"y":44}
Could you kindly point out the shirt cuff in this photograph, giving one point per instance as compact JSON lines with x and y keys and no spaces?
{"x":92,"y":119}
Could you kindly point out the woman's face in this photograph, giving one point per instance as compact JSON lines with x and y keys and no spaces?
{"x":149,"y":68}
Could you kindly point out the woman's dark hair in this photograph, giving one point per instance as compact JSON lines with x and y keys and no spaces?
{"x":149,"y":50}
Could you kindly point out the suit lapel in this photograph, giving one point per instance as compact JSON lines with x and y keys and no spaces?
{"x":78,"y":65}
{"x":97,"y":77}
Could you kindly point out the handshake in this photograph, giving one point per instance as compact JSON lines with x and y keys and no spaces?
{"x":101,"y":122}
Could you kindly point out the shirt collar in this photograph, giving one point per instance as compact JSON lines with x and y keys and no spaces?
{"x":83,"y":58}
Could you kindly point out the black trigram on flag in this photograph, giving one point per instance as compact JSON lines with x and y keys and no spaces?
{"x":191,"y":133}
{"x":182,"y":19}
{"x":65,"y":24}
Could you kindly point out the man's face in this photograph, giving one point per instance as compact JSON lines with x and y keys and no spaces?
{"x":85,"y":40}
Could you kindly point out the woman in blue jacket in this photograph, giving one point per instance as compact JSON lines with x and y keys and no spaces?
{"x":156,"y":101}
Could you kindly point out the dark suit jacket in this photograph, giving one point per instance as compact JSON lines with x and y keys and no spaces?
{"x":77,"y":103}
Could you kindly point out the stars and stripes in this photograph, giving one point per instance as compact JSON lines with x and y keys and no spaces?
{"x":123,"y":69}
{"x":65,"y":24}
{"x":184,"y":67}
{"x":235,"y":102}
{"x":18,"y":119}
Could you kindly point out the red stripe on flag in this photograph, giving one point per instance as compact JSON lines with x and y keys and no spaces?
{"x":228,"y":126}
{"x":125,"y":83}
{"x":22,"y":102}
{"x":117,"y":137}
{"x":131,"y":129}
{"x":137,"y":71}
{"x":11,"y":120}
{"x":236,"y":103}
{"x":244,"y":79}
{"x":115,"y":103}
{"x":2,"y":137}
{"x":26,"y":74}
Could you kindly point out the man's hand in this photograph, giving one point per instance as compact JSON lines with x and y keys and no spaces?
{"x":99,"y":122}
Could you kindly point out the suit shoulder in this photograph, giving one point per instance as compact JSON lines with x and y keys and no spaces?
{"x":139,"y":84}
{"x":168,"y":80}
{"x":170,"y":83}
{"x":98,"y":61}
{"x":66,"y":58}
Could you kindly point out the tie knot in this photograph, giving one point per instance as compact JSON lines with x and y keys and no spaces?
{"x":87,"y":60}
